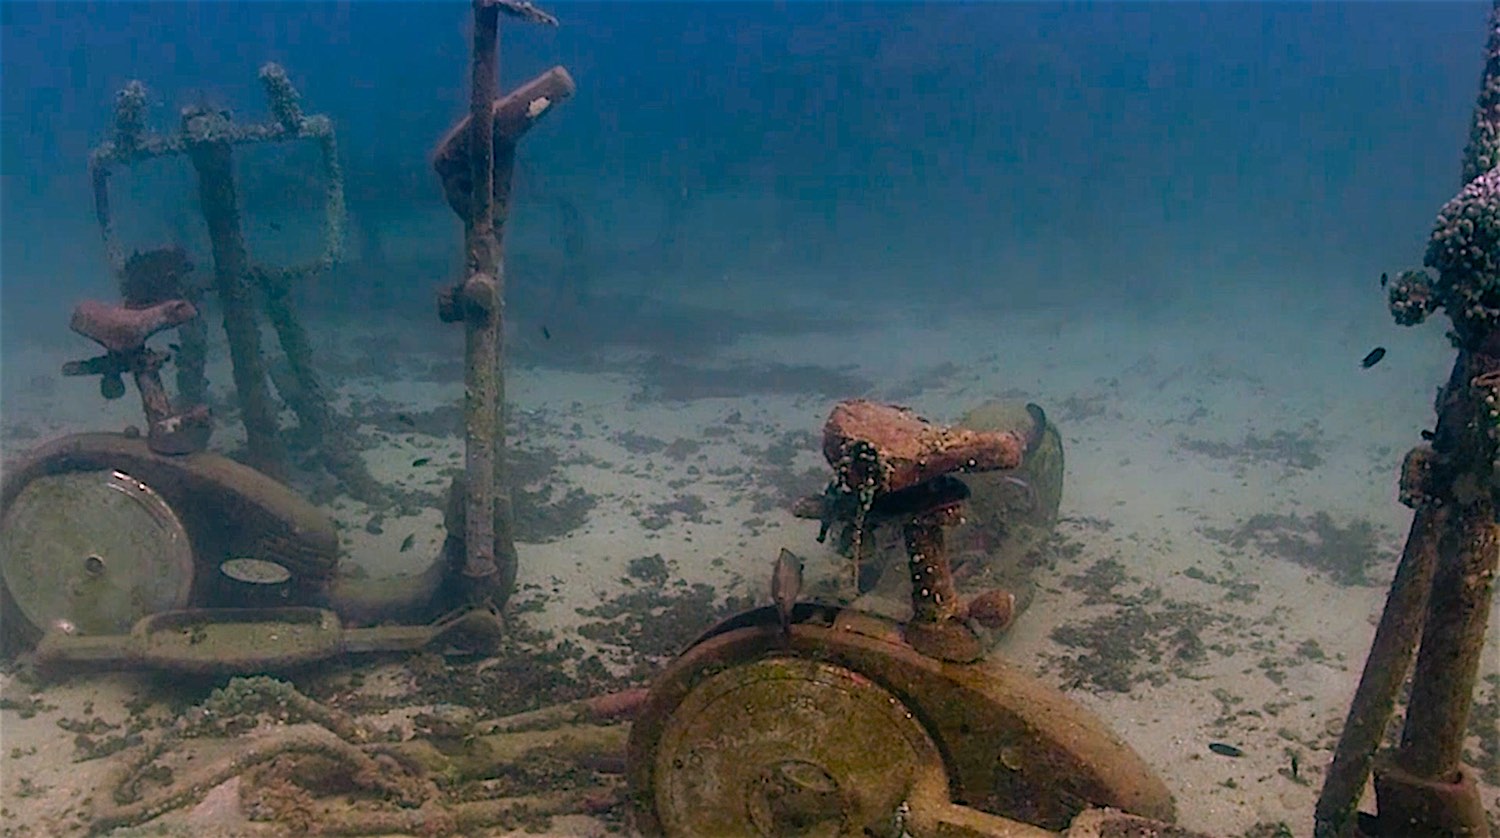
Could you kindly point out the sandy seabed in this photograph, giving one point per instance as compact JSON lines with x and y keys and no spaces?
{"x":1203,"y":438}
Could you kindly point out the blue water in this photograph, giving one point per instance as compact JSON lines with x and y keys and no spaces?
{"x":1082,"y":146}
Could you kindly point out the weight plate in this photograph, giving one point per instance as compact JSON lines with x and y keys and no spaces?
{"x":786,"y":746}
{"x":93,"y":552}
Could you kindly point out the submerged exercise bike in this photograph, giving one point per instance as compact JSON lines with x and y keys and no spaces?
{"x":143,"y":549}
{"x":832,"y":720}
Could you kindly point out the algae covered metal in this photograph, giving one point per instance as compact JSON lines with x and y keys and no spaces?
{"x":848,"y":730}
{"x":475,"y":161}
{"x":93,"y":552}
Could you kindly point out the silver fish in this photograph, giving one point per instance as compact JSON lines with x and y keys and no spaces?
{"x":786,"y":585}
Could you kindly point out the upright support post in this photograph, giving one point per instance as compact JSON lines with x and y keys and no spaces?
{"x":207,"y":135}
{"x":484,"y":322}
{"x":476,"y":160}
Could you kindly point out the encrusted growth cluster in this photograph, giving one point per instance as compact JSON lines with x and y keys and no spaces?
{"x":156,"y":276}
{"x":1464,"y":248}
{"x":1486,"y":387}
{"x":1465,"y":251}
{"x":1411,"y":297}
{"x":1417,"y":486}
{"x":286,"y":102}
{"x":130,"y":115}
{"x":233,"y":709}
{"x":1483,"y":152}
{"x":857,"y":477}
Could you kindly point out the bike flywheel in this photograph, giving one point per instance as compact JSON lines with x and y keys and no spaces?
{"x":92,"y":552}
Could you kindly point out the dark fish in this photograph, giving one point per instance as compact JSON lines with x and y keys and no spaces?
{"x":420,"y":461}
{"x":1225,"y":749}
{"x":546,"y":333}
{"x":406,"y":420}
{"x":175,"y":348}
{"x":275,"y":227}
{"x":1373,"y":358}
{"x":407,"y":542}
{"x":1383,"y":280}
{"x":786,"y":584}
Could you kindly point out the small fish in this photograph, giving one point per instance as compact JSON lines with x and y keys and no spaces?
{"x":786,"y":584}
{"x":420,"y":461}
{"x":546,"y":333}
{"x":176,"y":350}
{"x":406,"y":420}
{"x":407,"y":542}
{"x":275,"y":226}
{"x":1224,"y":749}
{"x":1373,"y":358}
{"x":1296,"y":766}
{"x":1383,"y":280}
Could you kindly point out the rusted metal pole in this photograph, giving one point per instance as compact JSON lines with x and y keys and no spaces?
{"x":207,"y":135}
{"x":483,"y":295}
{"x":1423,"y":788}
{"x":1386,"y":668}
{"x":475,"y":161}
{"x":1458,"y":608}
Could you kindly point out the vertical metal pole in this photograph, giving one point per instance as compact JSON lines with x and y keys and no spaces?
{"x":482,"y":325}
{"x":1386,"y":668}
{"x":1458,"y":608}
{"x":208,"y":149}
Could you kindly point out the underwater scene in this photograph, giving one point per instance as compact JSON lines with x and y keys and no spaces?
{"x":508,"y":417}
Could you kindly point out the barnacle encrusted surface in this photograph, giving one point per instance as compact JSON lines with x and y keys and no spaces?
{"x":1465,"y":250}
